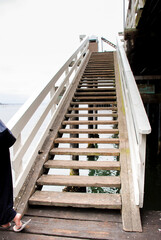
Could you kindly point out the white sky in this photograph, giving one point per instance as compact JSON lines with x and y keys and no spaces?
{"x":37,"y":36}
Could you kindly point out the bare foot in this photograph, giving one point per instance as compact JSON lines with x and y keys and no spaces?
{"x":17,"y":220}
{"x":7,"y":225}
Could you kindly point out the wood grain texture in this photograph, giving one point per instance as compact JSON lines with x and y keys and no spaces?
{"x":80,"y":181}
{"x":85,"y":151}
{"x":82,"y":200}
{"x":71,"y":164}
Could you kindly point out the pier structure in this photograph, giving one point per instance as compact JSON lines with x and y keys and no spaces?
{"x":92,"y":128}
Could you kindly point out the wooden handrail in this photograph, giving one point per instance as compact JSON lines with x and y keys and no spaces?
{"x":137,"y":123}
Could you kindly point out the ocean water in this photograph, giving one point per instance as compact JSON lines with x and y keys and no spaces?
{"x":7,"y":111}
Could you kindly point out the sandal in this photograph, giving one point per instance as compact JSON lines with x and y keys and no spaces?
{"x":24,"y":224}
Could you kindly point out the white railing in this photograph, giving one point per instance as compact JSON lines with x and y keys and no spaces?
{"x":137,"y":123}
{"x":31,"y":124}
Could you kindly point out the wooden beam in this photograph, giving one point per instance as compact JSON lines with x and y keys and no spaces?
{"x":80,"y":181}
{"x":130,"y":212}
{"x":71,"y":164}
{"x":86,"y":151}
{"x":83,"y":200}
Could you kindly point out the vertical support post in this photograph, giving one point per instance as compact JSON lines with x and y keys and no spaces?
{"x":17,"y":169}
{"x":66,"y":73}
{"x":142,"y":153}
{"x":74,"y":145}
{"x":52,"y":92}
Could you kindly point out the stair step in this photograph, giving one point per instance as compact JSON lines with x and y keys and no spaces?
{"x":69,"y":199}
{"x":92,"y":115}
{"x":89,"y":131}
{"x":95,"y":93}
{"x":95,"y":97}
{"x":83,"y":84}
{"x":71,"y":164}
{"x":103,"y":75}
{"x":92,"y":108}
{"x":97,"y":81}
{"x":79,"y":181}
{"x":95,"y":89}
{"x":94,"y":103}
{"x":87,"y":140}
{"x":85,"y":151}
{"x":98,"y":122}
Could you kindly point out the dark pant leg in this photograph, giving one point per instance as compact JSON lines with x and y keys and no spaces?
{"x":7,"y":212}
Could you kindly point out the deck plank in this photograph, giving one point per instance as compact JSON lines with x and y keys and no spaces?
{"x":95,"y":97}
{"x":71,"y":164}
{"x":92,"y":115}
{"x":87,"y":140}
{"x":92,"y":93}
{"x":76,"y":223}
{"x":87,"y":214}
{"x":82,"y":200}
{"x":85,"y":151}
{"x":80,"y":181}
{"x":95,"y":89}
{"x":92,"y":108}
{"x":94,"y":103}
{"x":90,"y":131}
{"x":92,"y":122}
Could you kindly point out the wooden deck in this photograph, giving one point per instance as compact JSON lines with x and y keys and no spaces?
{"x":74,"y":223}
{"x":85,"y":221}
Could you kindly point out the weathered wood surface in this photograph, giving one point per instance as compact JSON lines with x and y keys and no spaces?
{"x":90,"y":131}
{"x":91,"y":81}
{"x":71,"y":164}
{"x":92,"y":108}
{"x":84,"y":84}
{"x":21,"y":203}
{"x":95,"y":89}
{"x":85,"y":151}
{"x":95,"y":98}
{"x":58,"y":223}
{"x":92,"y":122}
{"x":87,"y":140}
{"x":93,"y":103}
{"x":130,"y":212}
{"x":111,"y":231}
{"x":95,"y":93}
{"x":80,"y":181}
{"x":82,"y":200}
{"x":92,"y":115}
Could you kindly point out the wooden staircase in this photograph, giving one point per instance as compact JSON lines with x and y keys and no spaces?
{"x":90,"y":138}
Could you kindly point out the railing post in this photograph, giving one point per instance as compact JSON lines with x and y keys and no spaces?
{"x":142,"y":153}
{"x":52,"y":92}
{"x":66,"y":73}
{"x":17,"y":169}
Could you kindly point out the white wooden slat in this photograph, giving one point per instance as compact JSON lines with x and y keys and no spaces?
{"x":21,"y":118}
